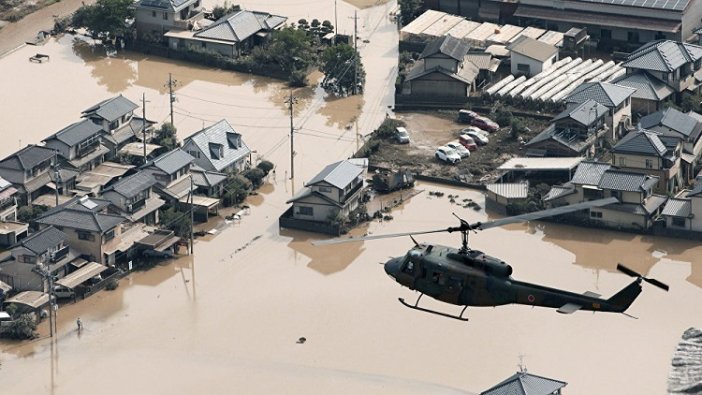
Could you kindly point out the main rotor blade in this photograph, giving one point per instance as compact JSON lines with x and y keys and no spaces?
{"x":372,"y":237}
{"x":548,"y":213}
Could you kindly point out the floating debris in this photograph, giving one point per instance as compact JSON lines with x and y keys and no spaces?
{"x":388,"y":218}
{"x":301,"y":340}
{"x":686,"y":374}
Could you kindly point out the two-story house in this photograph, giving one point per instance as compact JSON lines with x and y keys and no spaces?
{"x":685,"y":211}
{"x":674,"y":63}
{"x":231,"y":36}
{"x":577,"y":131}
{"x":442,"y":70}
{"x":331,"y":194}
{"x":153,"y":18}
{"x":172,"y":174}
{"x":218,"y":148}
{"x":79,"y":145}
{"x":647,"y":152}
{"x":615,"y":97}
{"x":91,"y":231}
{"x":28,"y":170}
{"x":650,"y":93}
{"x":119,"y":126}
{"x":686,"y":128}
{"x":208,"y":183}
{"x":133,"y":197}
{"x":34,"y":258}
{"x":8,"y":201}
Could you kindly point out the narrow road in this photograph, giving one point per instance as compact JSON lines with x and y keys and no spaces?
{"x":16,"y":34}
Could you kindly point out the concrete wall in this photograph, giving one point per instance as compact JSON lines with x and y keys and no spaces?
{"x":223,"y":49}
{"x":320,"y":212}
{"x":618,"y":219}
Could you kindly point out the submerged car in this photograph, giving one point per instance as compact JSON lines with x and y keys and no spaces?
{"x":467,"y":142}
{"x":448,"y":155}
{"x":462,"y":151}
{"x":401,"y":135}
{"x":479,"y":138}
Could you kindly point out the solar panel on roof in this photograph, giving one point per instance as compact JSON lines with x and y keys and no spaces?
{"x":674,"y":5}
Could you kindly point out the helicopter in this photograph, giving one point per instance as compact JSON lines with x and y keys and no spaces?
{"x":466,"y":277}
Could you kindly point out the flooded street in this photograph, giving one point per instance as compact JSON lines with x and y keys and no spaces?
{"x":227,"y":319}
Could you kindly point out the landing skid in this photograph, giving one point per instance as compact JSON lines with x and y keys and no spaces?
{"x":416,"y":307}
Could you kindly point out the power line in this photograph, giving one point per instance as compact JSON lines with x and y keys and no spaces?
{"x":226,"y":104}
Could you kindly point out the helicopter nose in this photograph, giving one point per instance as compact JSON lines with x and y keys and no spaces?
{"x":392,"y":267}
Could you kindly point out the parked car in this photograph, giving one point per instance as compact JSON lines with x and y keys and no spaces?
{"x":465,"y":116}
{"x":448,"y":155}
{"x":61,"y":292}
{"x":401,"y":135}
{"x":479,"y":138}
{"x":485,"y":124}
{"x":462,"y":151}
{"x":467,"y":142}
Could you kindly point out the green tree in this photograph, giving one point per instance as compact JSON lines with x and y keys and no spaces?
{"x":166,"y":136}
{"x":337,"y":64}
{"x":291,"y":49}
{"x":236,"y":189}
{"x":255,"y":175}
{"x":177,"y":221}
{"x":105,"y":19}
{"x":266,"y":166}
{"x":22,"y":328}
{"x":409,"y":9}
{"x":222,"y":10}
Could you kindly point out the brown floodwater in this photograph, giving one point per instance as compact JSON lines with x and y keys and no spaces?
{"x":227,"y":319}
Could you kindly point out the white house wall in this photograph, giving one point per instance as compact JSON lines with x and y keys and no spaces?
{"x":535,"y":66}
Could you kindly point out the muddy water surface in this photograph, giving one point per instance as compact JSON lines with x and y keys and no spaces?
{"x":227,"y":319}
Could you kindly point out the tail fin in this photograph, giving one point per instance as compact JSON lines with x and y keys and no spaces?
{"x":624,"y":298}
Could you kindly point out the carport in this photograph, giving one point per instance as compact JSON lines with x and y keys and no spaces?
{"x":86,"y":272}
{"x":30,"y":299}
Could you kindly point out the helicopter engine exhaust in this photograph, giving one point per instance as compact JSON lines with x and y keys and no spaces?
{"x":484,"y":262}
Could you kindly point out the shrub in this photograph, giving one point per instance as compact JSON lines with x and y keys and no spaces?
{"x":22,"y":328}
{"x":517,"y":128}
{"x":387,"y":128}
{"x":111,"y":285}
{"x":254,"y":175}
{"x":503,"y":117}
{"x":266,"y":166}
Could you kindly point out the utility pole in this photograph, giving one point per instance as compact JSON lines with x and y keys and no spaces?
{"x":52,"y":312}
{"x":57,"y":177}
{"x":355,"y":51}
{"x":171,"y":97}
{"x":336,"y":23}
{"x":143,"y":124}
{"x":291,"y":102}
{"x":192,"y":214}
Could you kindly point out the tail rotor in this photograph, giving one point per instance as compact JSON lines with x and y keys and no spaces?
{"x":651,"y":281}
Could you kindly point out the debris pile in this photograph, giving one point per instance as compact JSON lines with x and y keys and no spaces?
{"x":686,"y":373}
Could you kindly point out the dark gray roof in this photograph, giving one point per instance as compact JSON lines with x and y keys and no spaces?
{"x":574,"y":140}
{"x":240,"y":25}
{"x":674,"y":120}
{"x":27,"y":158}
{"x":447,"y":45}
{"x":42,"y":240}
{"x":619,"y":180}
{"x":590,"y":173}
{"x":523,"y":383}
{"x":647,"y":87}
{"x":172,"y":5}
{"x":82,"y":219}
{"x":132,"y":185}
{"x":674,"y":5}
{"x":339,"y":174}
{"x":641,"y":142}
{"x":607,"y":94}
{"x":558,"y":191}
{"x":466,"y":74}
{"x":585,"y":113}
{"x":677,"y":208}
{"x":663,"y":55}
{"x":76,"y":132}
{"x":535,"y":49}
{"x":111,"y":109}
{"x":696,"y":190}
{"x":171,"y":161}
{"x":220,"y":136}
{"x":206,"y":179}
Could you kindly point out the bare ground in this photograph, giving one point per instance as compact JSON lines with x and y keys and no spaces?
{"x":429,"y":130}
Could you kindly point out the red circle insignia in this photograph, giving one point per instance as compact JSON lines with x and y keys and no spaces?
{"x":531,"y":298}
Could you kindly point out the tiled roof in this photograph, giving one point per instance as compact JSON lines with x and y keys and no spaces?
{"x":590,"y":173}
{"x":675,"y":120}
{"x":585,"y":113}
{"x":111,"y":109}
{"x":446,"y":45}
{"x":240,"y":25}
{"x":80,"y":219}
{"x":206,"y":179}
{"x":534,"y":49}
{"x":663,"y":55}
{"x":483,"y":60}
{"x":339,"y":174}
{"x":558,"y":191}
{"x":618,"y":180}
{"x":607,"y":94}
{"x":132,"y":185}
{"x":171,"y":161}
{"x":27,"y":158}
{"x":677,"y":208}
{"x":647,"y":87}
{"x":220,"y":144}
{"x":39,"y":242}
{"x":523,"y":383}
{"x":641,"y":142}
{"x":76,"y":132}
{"x":518,"y":190}
{"x":466,"y":74}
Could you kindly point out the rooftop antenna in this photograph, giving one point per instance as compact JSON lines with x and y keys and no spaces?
{"x":522,"y":366}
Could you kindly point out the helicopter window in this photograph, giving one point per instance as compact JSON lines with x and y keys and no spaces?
{"x":408,"y":267}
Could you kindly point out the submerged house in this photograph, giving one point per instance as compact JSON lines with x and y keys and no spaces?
{"x":79,"y":145}
{"x":218,"y":148}
{"x":153,"y":18}
{"x":231,"y":35}
{"x":133,"y":197}
{"x":326,"y":200}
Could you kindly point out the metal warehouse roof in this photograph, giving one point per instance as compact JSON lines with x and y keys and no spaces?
{"x":518,"y":190}
{"x":541,"y":164}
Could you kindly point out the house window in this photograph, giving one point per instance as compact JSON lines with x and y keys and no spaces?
{"x":113,"y":125}
{"x":595,"y":214}
{"x":153,"y":14}
{"x":633,"y":37}
{"x":622,"y":162}
{"x":524,"y":68}
{"x":109,"y":235}
{"x":203,"y":44}
{"x":86,"y":236}
{"x":678,"y":221}
{"x":649,"y":164}
{"x":305,"y":210}
{"x":165,"y":16}
{"x":325,"y":189}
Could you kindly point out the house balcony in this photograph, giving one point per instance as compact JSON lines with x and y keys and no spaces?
{"x":59,"y":254}
{"x":7,"y":203}
{"x":136,"y":206}
{"x":187,"y":22}
{"x":354,"y":191}
{"x":80,"y":152}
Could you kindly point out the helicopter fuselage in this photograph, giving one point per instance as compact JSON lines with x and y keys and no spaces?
{"x":472,"y":278}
